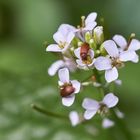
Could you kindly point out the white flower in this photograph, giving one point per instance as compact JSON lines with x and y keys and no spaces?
{"x":63,"y":38}
{"x":74,"y":118}
{"x":67,"y":62}
{"x":134,"y":45}
{"x":89,"y":22}
{"x":107,"y":123}
{"x":85,"y":56}
{"x":115,"y":60}
{"x":68,"y":88}
{"x":93,"y":106}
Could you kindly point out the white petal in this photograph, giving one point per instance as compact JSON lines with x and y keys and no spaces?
{"x":53,"y":48}
{"x":60,"y":83}
{"x":111,"y":75}
{"x":76,"y":85}
{"x":103,"y":63}
{"x":89,"y":114}
{"x":58,"y":37}
{"x":74,"y":118}
{"x":120,"y":41}
{"x":91,"y":53}
{"x":90,"y":104}
{"x":90,"y":26}
{"x":55,"y":67}
{"x":127,"y":55}
{"x":136,"y":59}
{"x":111,"y":48}
{"x":66,"y":28}
{"x":107,"y":123}
{"x":91,"y":18}
{"x":77,"y":52}
{"x":134,"y":45}
{"x":68,"y":101}
{"x":64,"y":75}
{"x":70,"y":37}
{"x":119,"y":114}
{"x":110,"y":100}
{"x":118,"y":82}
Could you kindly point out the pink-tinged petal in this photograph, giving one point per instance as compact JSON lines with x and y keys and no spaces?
{"x":120,"y":41}
{"x":89,"y":114}
{"x":91,"y":18}
{"x":90,"y":104}
{"x":55,"y":67}
{"x":74,"y":118}
{"x":64,"y":75}
{"x":53,"y":48}
{"x":111,"y":75}
{"x":70,"y":37}
{"x":77,"y":52}
{"x":136,"y":59}
{"x":58,"y":37}
{"x":68,"y":101}
{"x":91,"y":53}
{"x":107,"y":123}
{"x":80,"y":63}
{"x":110,"y":100}
{"x":102,"y":63}
{"x":76,"y":85}
{"x":111,"y":48}
{"x":90,"y":26}
{"x":127,"y":56}
{"x":134,"y":45}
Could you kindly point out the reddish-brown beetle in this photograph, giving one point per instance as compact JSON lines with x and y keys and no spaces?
{"x":84,"y":51}
{"x":67,"y":90}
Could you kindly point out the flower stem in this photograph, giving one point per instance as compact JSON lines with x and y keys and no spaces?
{"x":120,"y":122}
{"x":48,"y":113}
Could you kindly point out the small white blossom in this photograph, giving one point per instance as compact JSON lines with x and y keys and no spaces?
{"x":84,"y":63}
{"x":134,"y":45}
{"x":107,"y":123}
{"x":68,"y":88}
{"x":67,"y":62}
{"x":93,"y":106}
{"x":74,"y":118}
{"x":89,"y":22}
{"x":115,"y":60}
{"x":63,"y":38}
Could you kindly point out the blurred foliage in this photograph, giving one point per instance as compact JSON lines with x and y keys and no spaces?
{"x":24,"y":26}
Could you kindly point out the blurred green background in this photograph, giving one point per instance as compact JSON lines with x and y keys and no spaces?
{"x":24,"y":26}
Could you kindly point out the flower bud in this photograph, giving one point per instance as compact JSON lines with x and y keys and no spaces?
{"x":98,"y":35}
{"x":87,"y":37}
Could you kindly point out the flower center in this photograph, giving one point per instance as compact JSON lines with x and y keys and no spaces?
{"x":103,"y":110}
{"x":66,"y":90}
{"x":62,"y":44}
{"x":116,"y":62}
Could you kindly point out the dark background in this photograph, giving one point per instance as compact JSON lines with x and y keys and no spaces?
{"x":24,"y":26}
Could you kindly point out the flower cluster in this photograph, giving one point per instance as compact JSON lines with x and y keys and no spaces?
{"x":85,"y":48}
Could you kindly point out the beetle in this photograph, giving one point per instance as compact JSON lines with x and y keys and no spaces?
{"x":84,"y":51}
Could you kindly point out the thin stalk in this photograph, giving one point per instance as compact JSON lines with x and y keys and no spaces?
{"x":48,"y":113}
{"x":120,"y":122}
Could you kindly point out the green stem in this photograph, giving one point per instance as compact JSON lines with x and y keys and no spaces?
{"x":120,"y":122}
{"x":48,"y":113}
